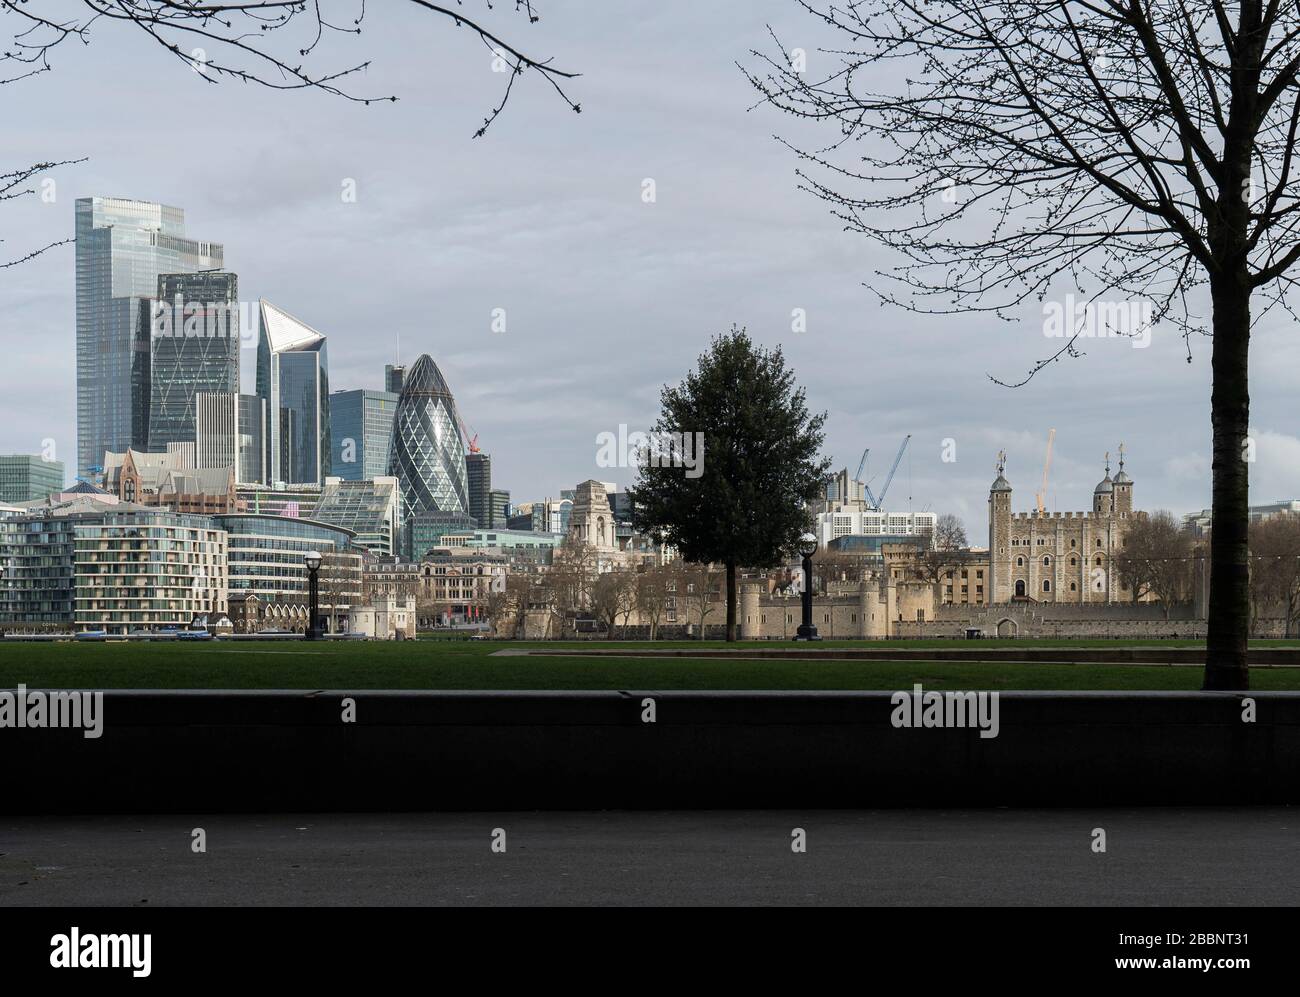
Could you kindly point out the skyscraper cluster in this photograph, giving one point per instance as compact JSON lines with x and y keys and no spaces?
{"x":159,"y":330}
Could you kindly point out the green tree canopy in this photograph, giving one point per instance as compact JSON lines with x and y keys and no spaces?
{"x":738,"y":497}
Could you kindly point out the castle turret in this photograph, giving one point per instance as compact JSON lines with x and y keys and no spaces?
{"x":1103,"y":496}
{"x":751,"y":611}
{"x":1123,"y":488}
{"x":1000,"y":533}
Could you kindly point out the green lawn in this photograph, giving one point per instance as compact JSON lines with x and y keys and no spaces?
{"x":438,"y":664}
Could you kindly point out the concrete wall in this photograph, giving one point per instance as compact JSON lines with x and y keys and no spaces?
{"x":205,"y":752}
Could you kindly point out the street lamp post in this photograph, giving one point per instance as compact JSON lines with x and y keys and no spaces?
{"x":313,"y":559}
{"x":807,"y":547}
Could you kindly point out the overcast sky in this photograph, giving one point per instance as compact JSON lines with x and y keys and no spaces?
{"x":606,"y":297}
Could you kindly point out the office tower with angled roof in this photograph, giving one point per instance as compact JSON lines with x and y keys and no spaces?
{"x":193,"y":348}
{"x":427,"y":455}
{"x":293,"y":378}
{"x":123,"y":246}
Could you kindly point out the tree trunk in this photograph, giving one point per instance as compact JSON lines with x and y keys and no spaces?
{"x":1229,"y":610}
{"x":731,"y":601}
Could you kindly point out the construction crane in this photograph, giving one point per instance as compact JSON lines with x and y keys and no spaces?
{"x":861,"y":464}
{"x":872,"y":500}
{"x":1047,"y":465}
{"x":467,"y":433}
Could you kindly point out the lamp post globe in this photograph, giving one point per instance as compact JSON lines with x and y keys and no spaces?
{"x":807,"y":548}
{"x":313,"y":561}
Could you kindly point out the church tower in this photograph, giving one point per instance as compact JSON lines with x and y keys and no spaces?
{"x":592,"y":520}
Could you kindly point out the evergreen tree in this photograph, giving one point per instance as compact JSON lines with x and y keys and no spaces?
{"x":756,"y":463}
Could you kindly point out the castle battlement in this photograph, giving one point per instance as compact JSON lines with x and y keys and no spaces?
{"x":1026,"y":516}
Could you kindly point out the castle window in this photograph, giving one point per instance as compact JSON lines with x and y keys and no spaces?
{"x":1071,"y":543}
{"x":1047,"y":585}
{"x":1073,"y":587}
{"x":1073,"y":561}
{"x":1047,"y":562}
{"x":1098,"y":541}
{"x":1099,"y":562}
{"x":1020,"y":562}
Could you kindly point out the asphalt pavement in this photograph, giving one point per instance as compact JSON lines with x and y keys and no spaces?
{"x":1211,"y":856}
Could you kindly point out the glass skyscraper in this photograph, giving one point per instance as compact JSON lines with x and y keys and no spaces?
{"x":394,"y":374}
{"x":428,"y":455}
{"x":361,"y":429}
{"x":194,"y":347}
{"x":293,"y":377}
{"x":478,"y":471}
{"x":123,"y":246}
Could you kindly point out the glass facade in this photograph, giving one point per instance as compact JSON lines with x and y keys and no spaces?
{"x":361,"y":429}
{"x":26,"y":477}
{"x":394,"y":374}
{"x":425,"y":530}
{"x":193,"y":347}
{"x":267,"y":557}
{"x":293,"y":377}
{"x":292,"y":503}
{"x":367,"y":508}
{"x":428,"y":455}
{"x":498,"y":510}
{"x":123,"y":246}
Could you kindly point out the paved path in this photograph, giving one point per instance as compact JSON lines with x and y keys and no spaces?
{"x":1154,"y":856}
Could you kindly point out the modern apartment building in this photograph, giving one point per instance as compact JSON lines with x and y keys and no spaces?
{"x":137,"y":567}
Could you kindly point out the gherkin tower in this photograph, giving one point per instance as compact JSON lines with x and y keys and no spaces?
{"x":427,"y":455}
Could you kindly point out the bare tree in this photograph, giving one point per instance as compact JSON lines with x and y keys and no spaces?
{"x":612,"y":595}
{"x":1156,"y":559}
{"x":652,"y":596}
{"x":1133,"y":149}
{"x":698,"y":592}
{"x":566,"y":585}
{"x":1275,"y":568}
{"x":271,"y":44}
{"x":945,"y":551}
